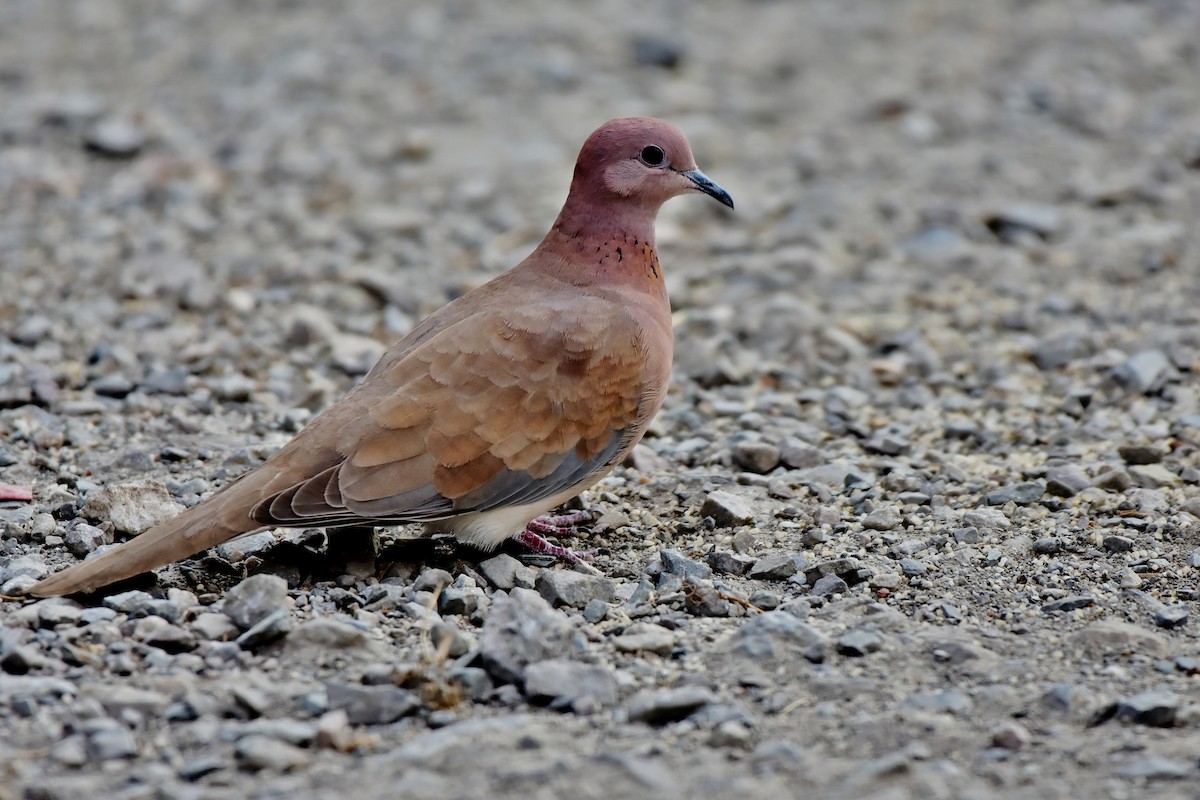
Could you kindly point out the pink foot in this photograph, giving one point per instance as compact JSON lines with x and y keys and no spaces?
{"x":531,"y":538}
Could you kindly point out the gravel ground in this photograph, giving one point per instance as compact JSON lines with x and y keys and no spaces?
{"x":920,"y":518}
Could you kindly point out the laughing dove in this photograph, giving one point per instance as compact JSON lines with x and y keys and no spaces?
{"x":502,"y":405}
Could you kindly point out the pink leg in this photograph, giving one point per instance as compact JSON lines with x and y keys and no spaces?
{"x":532,"y":539}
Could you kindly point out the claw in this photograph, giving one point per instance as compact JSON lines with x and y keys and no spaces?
{"x":565,"y":525}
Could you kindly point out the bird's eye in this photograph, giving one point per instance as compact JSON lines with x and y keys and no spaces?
{"x":652,"y":155}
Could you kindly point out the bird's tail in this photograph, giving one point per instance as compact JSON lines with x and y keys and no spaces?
{"x":220,"y":518}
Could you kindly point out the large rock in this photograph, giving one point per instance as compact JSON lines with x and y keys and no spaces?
{"x":132,"y":507}
{"x":523,"y":629}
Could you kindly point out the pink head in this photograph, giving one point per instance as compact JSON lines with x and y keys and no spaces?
{"x":641,"y":162}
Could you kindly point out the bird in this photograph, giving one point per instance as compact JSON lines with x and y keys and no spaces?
{"x":494,"y":410}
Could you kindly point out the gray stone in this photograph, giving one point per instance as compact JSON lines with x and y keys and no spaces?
{"x":82,"y":538}
{"x":56,"y":611}
{"x":1071,"y":603}
{"x":988,"y":519}
{"x":1143,"y":372}
{"x":1008,"y":223}
{"x":848,"y":569}
{"x":292,"y":731}
{"x":257,"y":752}
{"x":662,"y":706}
{"x":214,"y":627}
{"x":731,"y":733}
{"x":584,"y":687}
{"x":1141,"y":454}
{"x":132,"y":507}
{"x":1059,"y":698}
{"x":115,"y":137}
{"x":1011,"y":736}
{"x":255,"y":599}
{"x":676,"y":563}
{"x":829,"y":585}
{"x":778,"y":567}
{"x":117,"y":698}
{"x":1156,"y":768}
{"x":644,"y":637}
{"x":1152,"y":476}
{"x":239,"y":549}
{"x":1111,"y":637}
{"x":432,"y":580}
{"x":773,"y":633}
{"x":574,"y":589}
{"x":70,"y":751}
{"x":882,"y":519}
{"x":165,"y":636}
{"x":727,"y":509}
{"x":756,"y":457}
{"x":1113,"y":480}
{"x":522,"y":629}
{"x":1117,"y":544}
{"x":466,"y":601}
{"x":724,"y":563}
{"x":451,"y":639}
{"x":267,"y":630}
{"x":1066,"y":481}
{"x":109,"y":741}
{"x":1155,"y":708}
{"x":595,"y":610}
{"x":371,"y":705}
{"x":1047,"y":546}
{"x":859,"y":642}
{"x":764,"y":600}
{"x":1172,"y":616}
{"x":1060,"y":349}
{"x":701,"y":599}
{"x":798,"y":454}
{"x":1020,"y":493}
{"x":505,"y":572}
{"x":950,"y":701}
{"x":912,"y":567}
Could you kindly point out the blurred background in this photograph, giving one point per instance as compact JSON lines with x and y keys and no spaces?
{"x":949,"y":184}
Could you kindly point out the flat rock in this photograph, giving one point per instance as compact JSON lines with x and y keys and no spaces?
{"x":645,"y":637}
{"x":677,"y":563}
{"x":132,"y":507}
{"x":859,"y":642}
{"x":661,"y":706}
{"x":727,"y":509}
{"x":505,"y":572}
{"x":580,"y":685}
{"x":1111,"y":637}
{"x":257,"y":752}
{"x":777,"y":633}
{"x":777,"y":567}
{"x":371,"y":705}
{"x":1066,"y":481}
{"x":756,"y":457}
{"x":574,"y":589}
{"x":521,"y":629}
{"x":1156,"y":708}
{"x":255,"y":599}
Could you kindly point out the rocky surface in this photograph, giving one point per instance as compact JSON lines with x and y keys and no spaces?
{"x":920,"y":517}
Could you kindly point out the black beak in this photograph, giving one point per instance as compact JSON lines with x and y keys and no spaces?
{"x":705,"y":185}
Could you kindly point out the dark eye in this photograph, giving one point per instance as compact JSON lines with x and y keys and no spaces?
{"x":653,"y":155}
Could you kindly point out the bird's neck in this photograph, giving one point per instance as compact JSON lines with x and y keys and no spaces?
{"x":605,"y":244}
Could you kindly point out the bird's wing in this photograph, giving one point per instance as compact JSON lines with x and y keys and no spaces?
{"x":507,"y":406}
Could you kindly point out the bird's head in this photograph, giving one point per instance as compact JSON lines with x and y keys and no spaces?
{"x":641,"y":160}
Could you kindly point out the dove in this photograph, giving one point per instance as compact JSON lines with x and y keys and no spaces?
{"x":497,"y":408}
